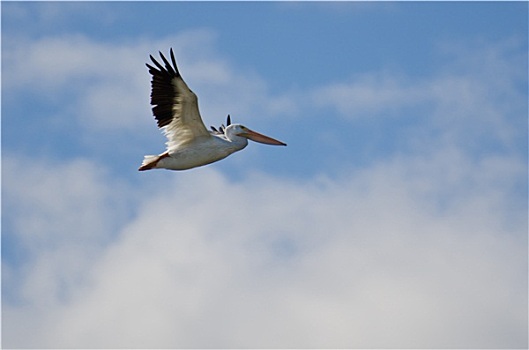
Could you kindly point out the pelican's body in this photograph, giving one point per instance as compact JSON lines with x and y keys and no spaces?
{"x":200,"y":152}
{"x":190,"y":144}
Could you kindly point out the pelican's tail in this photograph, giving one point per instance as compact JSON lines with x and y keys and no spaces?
{"x":149,"y":162}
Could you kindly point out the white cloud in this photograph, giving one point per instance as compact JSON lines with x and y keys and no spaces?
{"x":110,"y":85}
{"x":269,"y":262}
{"x":426,"y":249}
{"x":104,"y":89}
{"x":65,"y":213}
{"x":474,"y":97}
{"x":108,"y":82}
{"x":367,"y":95}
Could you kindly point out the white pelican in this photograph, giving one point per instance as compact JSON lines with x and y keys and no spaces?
{"x":190,"y":144}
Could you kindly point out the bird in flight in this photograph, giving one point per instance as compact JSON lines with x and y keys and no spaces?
{"x":190,"y":144}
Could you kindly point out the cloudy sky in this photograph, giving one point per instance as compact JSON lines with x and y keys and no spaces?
{"x":395,"y":217}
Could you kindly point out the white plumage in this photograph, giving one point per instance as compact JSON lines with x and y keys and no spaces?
{"x":190,"y":144}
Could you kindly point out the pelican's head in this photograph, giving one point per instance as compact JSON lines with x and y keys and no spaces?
{"x":242,"y":131}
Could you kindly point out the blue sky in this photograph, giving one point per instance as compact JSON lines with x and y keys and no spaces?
{"x":399,"y":206}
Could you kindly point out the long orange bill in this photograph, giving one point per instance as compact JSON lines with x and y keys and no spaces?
{"x":255,"y":136}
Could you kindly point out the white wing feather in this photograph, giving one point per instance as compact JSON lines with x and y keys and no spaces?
{"x":175,"y":106}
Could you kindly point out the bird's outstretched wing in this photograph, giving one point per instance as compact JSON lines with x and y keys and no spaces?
{"x":175,"y":106}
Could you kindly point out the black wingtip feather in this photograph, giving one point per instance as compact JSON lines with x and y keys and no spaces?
{"x":158,"y":65}
{"x":168,"y":66}
{"x":174,"y":61}
{"x":162,"y":90}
